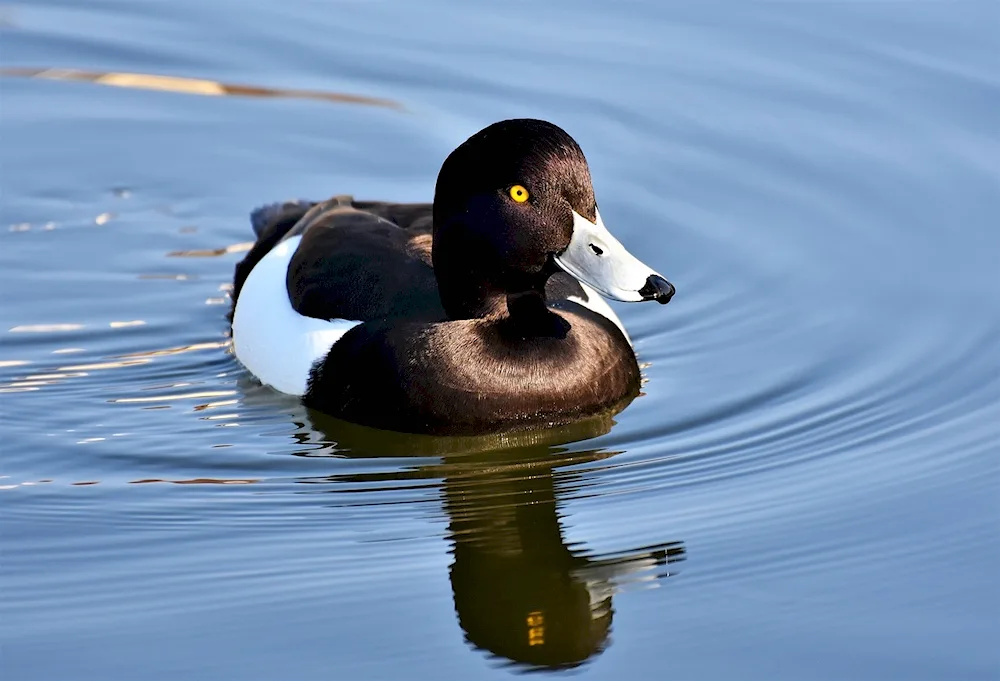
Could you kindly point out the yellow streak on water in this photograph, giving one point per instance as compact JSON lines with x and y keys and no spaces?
{"x":54,"y":377}
{"x":213,"y":405}
{"x":190,"y":86}
{"x":4,"y":363}
{"x":182,"y":396}
{"x":199,"y":481}
{"x":178,"y":350}
{"x":103,"y":365}
{"x":44,"y":328}
{"x":241,"y":247}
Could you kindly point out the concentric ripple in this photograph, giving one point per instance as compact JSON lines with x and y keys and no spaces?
{"x":809,"y":477}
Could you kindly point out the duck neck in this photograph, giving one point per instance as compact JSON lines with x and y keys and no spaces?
{"x":528,"y":316}
{"x":465,"y":274}
{"x":469,"y":295}
{"x":491,"y":305}
{"x":465,"y":295}
{"x":475,"y":283}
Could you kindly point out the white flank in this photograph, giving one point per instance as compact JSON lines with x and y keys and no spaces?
{"x":595,"y":303}
{"x":277,"y":344}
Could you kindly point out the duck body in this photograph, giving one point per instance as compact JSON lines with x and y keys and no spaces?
{"x":455,"y":317}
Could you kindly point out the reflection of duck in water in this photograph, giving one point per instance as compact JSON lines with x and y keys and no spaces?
{"x":520,"y":591}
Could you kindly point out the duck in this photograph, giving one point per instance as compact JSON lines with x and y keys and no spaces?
{"x":480,"y":312}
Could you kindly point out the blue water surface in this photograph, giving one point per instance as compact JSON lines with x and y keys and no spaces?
{"x":807,"y":488}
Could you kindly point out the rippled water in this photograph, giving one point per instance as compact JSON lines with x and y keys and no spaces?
{"x":807,"y":489}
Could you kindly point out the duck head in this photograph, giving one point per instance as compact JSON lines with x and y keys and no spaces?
{"x":514,"y":204}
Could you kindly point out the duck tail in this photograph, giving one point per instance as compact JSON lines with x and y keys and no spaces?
{"x":278,"y":217}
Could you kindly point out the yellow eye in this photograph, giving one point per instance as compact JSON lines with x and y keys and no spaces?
{"x":519,"y":193}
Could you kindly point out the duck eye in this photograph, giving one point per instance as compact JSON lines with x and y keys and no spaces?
{"x":519,"y":193}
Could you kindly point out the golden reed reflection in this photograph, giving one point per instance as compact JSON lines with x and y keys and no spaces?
{"x":144,"y":481}
{"x":241,"y":247}
{"x":172,"y":397}
{"x":55,"y":328}
{"x":6,"y":363}
{"x":520,"y":590}
{"x":190,"y":86}
{"x":44,"y":328}
{"x":177,"y":350}
{"x":56,"y":375}
{"x":198,"y":481}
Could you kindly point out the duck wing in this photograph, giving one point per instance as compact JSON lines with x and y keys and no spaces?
{"x":361,"y":260}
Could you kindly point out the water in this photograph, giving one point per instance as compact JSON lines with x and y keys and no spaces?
{"x":807,"y":489}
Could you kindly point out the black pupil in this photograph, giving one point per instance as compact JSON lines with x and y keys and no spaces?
{"x":596,"y":249}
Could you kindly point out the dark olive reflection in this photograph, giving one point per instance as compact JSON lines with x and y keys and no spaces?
{"x":520,"y":591}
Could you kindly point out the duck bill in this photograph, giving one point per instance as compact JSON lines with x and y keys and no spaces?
{"x":599,"y":260}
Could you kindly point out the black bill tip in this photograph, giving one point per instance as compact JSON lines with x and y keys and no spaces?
{"x":657,"y":288}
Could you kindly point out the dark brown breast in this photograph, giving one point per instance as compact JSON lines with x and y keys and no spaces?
{"x":472,"y":376}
